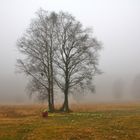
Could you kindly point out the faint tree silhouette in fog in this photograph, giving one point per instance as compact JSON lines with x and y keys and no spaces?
{"x":118,"y":88}
{"x":136,"y":87}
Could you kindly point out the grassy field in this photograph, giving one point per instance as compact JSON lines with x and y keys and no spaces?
{"x":87,"y":122}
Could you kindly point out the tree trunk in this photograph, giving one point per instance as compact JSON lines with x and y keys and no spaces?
{"x":51,"y":75}
{"x":50,"y":81}
{"x":65,"y":106}
{"x":49,"y":101}
{"x":50,"y":98}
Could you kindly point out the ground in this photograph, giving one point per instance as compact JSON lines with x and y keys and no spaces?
{"x":87,"y":122}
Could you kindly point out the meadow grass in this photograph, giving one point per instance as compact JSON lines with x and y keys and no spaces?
{"x":86,"y":122}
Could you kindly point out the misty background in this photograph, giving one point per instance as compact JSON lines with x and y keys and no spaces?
{"x":115,"y":23}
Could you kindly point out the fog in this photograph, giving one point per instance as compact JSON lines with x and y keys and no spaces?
{"x":116,"y":24}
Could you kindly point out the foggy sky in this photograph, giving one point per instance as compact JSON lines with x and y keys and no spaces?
{"x":116,"y":23}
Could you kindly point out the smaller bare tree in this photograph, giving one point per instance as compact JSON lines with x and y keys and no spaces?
{"x":37,"y":45}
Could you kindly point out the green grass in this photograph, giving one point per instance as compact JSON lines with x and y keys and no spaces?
{"x":115,"y":124}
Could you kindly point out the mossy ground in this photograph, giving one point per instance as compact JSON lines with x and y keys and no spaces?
{"x":90,"y":122}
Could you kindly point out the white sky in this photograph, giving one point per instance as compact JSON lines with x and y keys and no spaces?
{"x":116,"y":24}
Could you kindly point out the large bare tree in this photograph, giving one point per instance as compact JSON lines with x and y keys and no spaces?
{"x":76,"y":57}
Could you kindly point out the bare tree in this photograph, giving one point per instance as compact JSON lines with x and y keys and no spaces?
{"x":76,"y":57}
{"x":38,"y":49}
{"x":136,"y":87}
{"x":118,"y":88}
